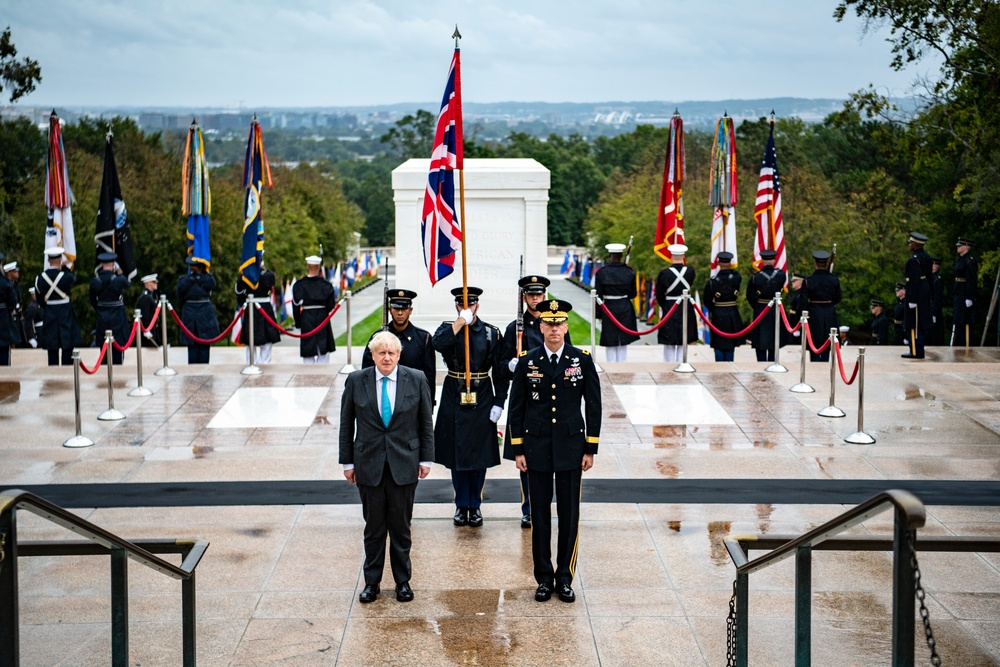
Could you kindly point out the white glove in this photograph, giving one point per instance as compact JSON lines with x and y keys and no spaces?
{"x":467,"y":316}
{"x":968,"y":303}
{"x":933,"y":319}
{"x":512,"y":364}
{"x":495,"y":413}
{"x":912,"y":305}
{"x":148,"y":334}
{"x":33,"y":342}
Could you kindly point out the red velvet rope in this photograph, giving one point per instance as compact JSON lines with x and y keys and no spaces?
{"x":97,"y":364}
{"x":207,"y":341}
{"x":812,"y":347}
{"x":152,"y":322}
{"x":840,"y":363}
{"x":131,"y":339}
{"x":746,"y":330}
{"x":788,"y":326}
{"x":663,"y":320}
{"x":315,"y":331}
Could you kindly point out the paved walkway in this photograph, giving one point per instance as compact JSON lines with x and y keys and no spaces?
{"x":279,"y":583}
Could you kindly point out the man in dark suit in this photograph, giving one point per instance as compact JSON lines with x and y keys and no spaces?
{"x":551,"y":438}
{"x":417,"y":350}
{"x":386,"y":444}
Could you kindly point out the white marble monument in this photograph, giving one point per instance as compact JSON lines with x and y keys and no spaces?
{"x":506,"y":203}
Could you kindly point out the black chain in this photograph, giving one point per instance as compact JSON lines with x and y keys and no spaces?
{"x":919,"y":590}
{"x":731,"y":631}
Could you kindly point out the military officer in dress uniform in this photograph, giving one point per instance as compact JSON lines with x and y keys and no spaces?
{"x":106,"y":290}
{"x":763,"y":286}
{"x":822,"y":294}
{"x":34,"y":319}
{"x":670,"y":286}
{"x":465,"y":435}
{"x":897,"y":315}
{"x":61,"y":331}
{"x":264,"y":335}
{"x":147,"y":303}
{"x":13,"y":274}
{"x":880,"y":325}
{"x":553,"y":438}
{"x":533,"y":290}
{"x":194,"y":296}
{"x":417,"y":352}
{"x":719,"y":297}
{"x":935,"y":333}
{"x":312,"y":300}
{"x":9,"y":335}
{"x":615,"y":285}
{"x":917,"y":316}
{"x":966,"y":280}
{"x":794,"y":311}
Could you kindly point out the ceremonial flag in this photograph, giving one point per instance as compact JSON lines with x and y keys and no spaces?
{"x":670,"y":217}
{"x":723,"y":194}
{"x":587,"y":270}
{"x":255,"y":169}
{"x":287,"y":297}
{"x":237,"y":329}
{"x":337,"y":280}
{"x":767,"y":209}
{"x":704,"y":335}
{"x":651,"y":302}
{"x":571,"y":267}
{"x":440,"y":230}
{"x":565,"y":264}
{"x":196,"y":197}
{"x":112,"y":233}
{"x":59,"y":196}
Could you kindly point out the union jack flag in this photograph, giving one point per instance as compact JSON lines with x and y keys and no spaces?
{"x":767,"y":209}
{"x":439,"y":226}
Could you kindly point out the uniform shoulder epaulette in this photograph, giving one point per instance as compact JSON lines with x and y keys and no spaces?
{"x":586,"y":352}
{"x":524,"y":353}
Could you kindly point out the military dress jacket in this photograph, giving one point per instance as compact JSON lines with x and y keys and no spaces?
{"x":822,"y":294}
{"x":194,"y":293}
{"x":917,"y":271}
{"x":880,"y":330}
{"x":555,"y":410}
{"x":615,"y":284}
{"x":106,"y":291}
{"x":761,"y":290}
{"x":670,"y":286}
{"x":898,"y":335}
{"x":417,"y":352}
{"x":61,"y":328}
{"x":312,"y":300}
{"x":966,"y":281}
{"x":9,"y":335}
{"x":719,"y":297}
{"x":263,"y":331}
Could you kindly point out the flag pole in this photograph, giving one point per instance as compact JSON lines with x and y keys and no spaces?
{"x":468,"y":398}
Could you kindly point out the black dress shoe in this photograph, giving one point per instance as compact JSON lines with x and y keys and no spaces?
{"x":369,"y":594}
{"x":403,"y":592}
{"x":566,"y":593}
{"x":910,"y":356}
{"x":525,"y":521}
{"x":462,"y":516}
{"x":543,"y":592}
{"x":475,"y":518}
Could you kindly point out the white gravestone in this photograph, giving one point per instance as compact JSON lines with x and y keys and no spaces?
{"x":506,"y":204}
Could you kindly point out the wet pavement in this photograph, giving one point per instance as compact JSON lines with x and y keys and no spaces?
{"x":279,"y":584}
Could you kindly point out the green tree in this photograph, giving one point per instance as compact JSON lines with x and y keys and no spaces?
{"x":412,"y":136}
{"x":17,"y":77}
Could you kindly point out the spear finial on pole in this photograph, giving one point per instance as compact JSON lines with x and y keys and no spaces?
{"x":677,"y":112}
{"x":110,"y":134}
{"x":457,"y":35}
{"x":772,"y":116}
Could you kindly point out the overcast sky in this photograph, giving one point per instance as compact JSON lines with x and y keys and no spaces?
{"x":359,"y":52}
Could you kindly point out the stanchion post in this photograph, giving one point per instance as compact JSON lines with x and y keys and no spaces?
{"x":859,"y":437}
{"x":776,"y":367}
{"x":252,"y":367}
{"x":78,"y":440}
{"x":111,"y":414}
{"x":593,"y":329}
{"x":832,"y":410}
{"x":348,"y":367}
{"x":139,"y":389}
{"x":684,"y":366}
{"x":164,"y":306}
{"x":802,"y":387}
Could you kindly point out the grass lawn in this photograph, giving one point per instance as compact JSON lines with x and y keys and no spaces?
{"x":363,"y":330}
{"x":579,"y":330}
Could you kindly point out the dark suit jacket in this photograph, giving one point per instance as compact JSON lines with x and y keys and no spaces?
{"x":367,"y":443}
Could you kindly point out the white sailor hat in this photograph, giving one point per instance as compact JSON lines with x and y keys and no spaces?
{"x":54,"y":251}
{"x":151,"y":278}
{"x":615,"y":248}
{"x":677,"y":249}
{"x":844,"y":328}
{"x":11,"y":266}
{"x":31,"y":290}
{"x":314,"y":260}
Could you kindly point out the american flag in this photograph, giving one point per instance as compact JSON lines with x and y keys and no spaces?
{"x":439,"y":227}
{"x":767,"y":210}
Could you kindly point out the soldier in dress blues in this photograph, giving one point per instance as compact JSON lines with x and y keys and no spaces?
{"x":417,"y":351}
{"x":964,"y":297}
{"x":763,"y":286}
{"x":106,"y":291}
{"x":615,"y":285}
{"x":898,"y":311}
{"x":935,"y":334}
{"x":61,"y":330}
{"x":670,"y":286}
{"x":721,"y":292}
{"x":917,"y":316}
{"x":9,"y":335}
{"x":821,"y":295}
{"x":880,"y":325}
{"x":194,"y":298}
{"x":34,"y":319}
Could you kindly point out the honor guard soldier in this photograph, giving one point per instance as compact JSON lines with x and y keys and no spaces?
{"x":720,"y":296}
{"x":147,"y":303}
{"x":917,"y":316}
{"x":264,"y":335}
{"x":670,"y":286}
{"x":194,"y":295}
{"x":465,"y":434}
{"x":821,"y":295}
{"x":312,"y":300}
{"x":615,"y":285}
{"x":554,"y":438}
{"x":794,"y":311}
{"x":533,"y":290}
{"x":106,"y":291}
{"x":761,"y":290}
{"x":61,"y":330}
{"x":966,"y":280}
{"x":897,"y":315}
{"x":34,"y":319}
{"x":13,"y":274}
{"x":880,"y":325}
{"x":935,"y":333}
{"x":417,"y":351}
{"x":9,"y":335}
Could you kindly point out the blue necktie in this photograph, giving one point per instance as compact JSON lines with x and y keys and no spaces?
{"x":386,"y":406}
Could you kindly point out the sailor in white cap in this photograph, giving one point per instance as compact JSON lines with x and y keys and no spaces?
{"x":670,"y":286}
{"x":842,"y":335}
{"x":615,"y":285}
{"x":312,"y":300}
{"x":61,"y":330}
{"x":147,"y":303}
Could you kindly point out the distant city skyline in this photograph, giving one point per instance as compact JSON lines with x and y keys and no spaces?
{"x":323,"y":53}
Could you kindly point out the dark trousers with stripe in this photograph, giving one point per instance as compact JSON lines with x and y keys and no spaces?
{"x":66,"y":353}
{"x":388,"y":509}
{"x":567,"y":489}
{"x":917,"y":343}
{"x":468,"y":487}
{"x":5,"y":355}
{"x":525,"y":495}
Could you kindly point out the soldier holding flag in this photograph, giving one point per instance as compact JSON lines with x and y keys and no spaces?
{"x":106,"y":290}
{"x":61,"y":330}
